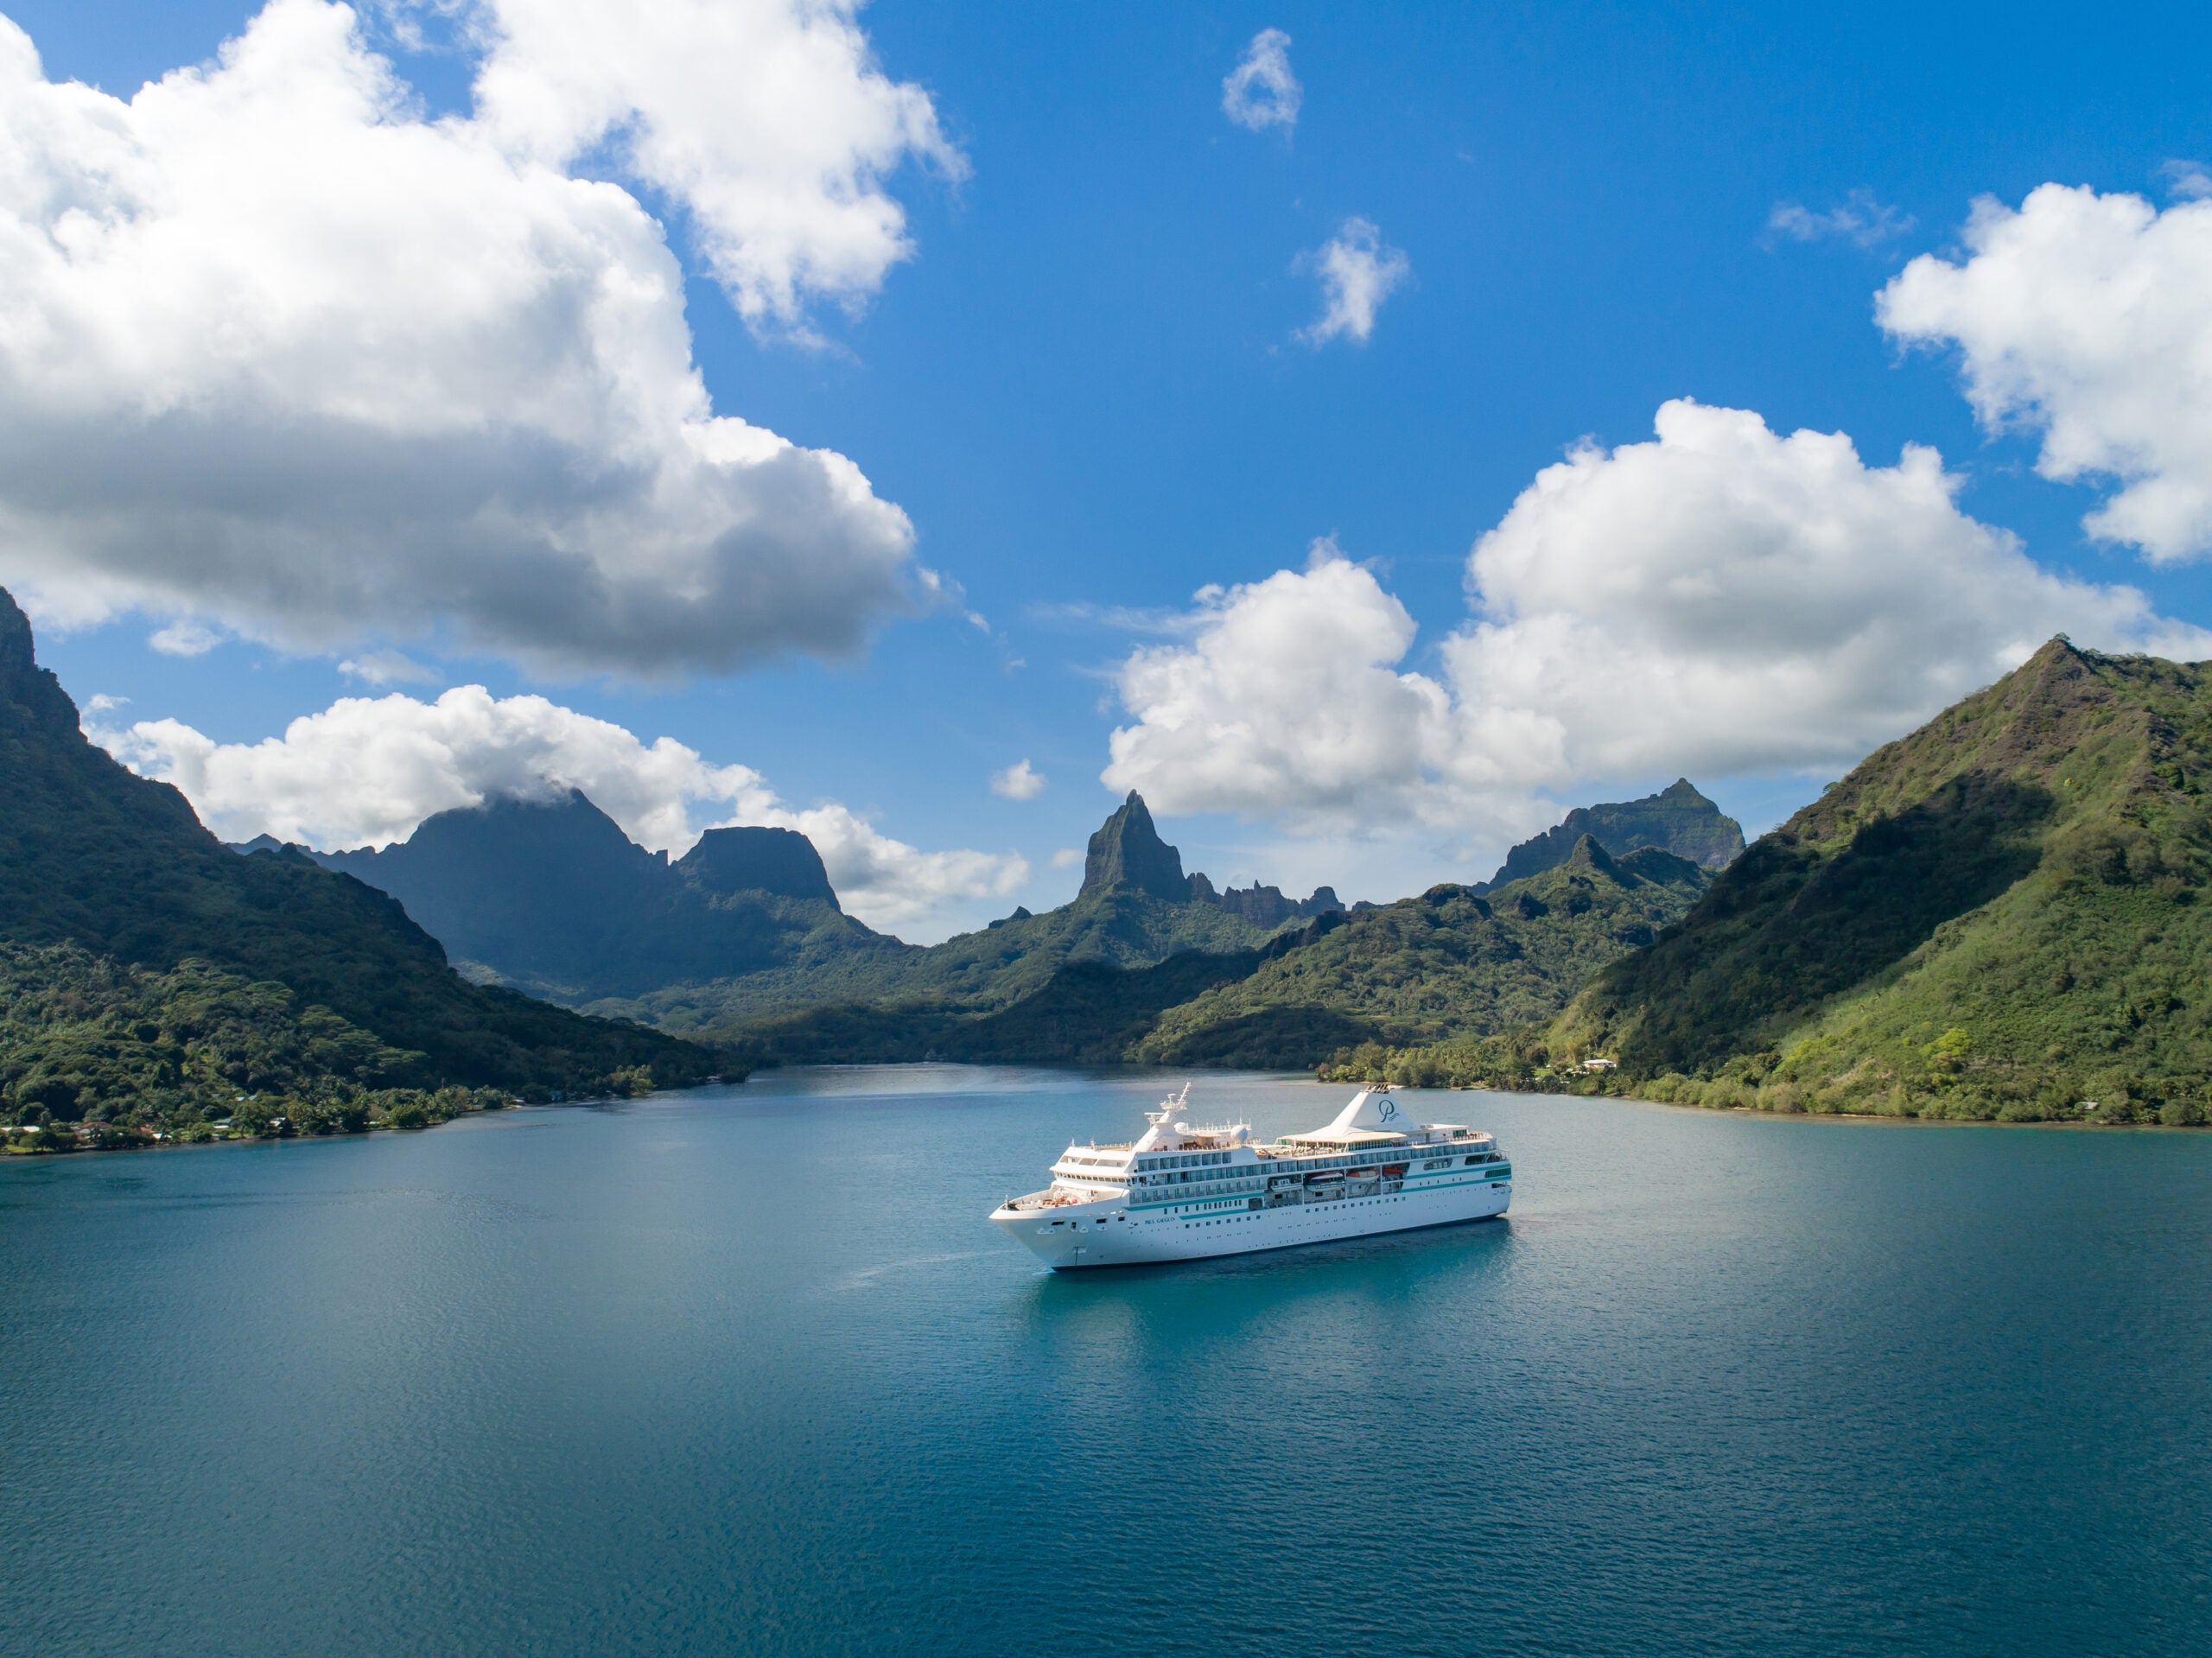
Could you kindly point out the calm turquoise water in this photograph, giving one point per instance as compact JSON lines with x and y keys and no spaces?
{"x":746,"y":1371}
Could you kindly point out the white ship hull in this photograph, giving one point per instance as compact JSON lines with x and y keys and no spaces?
{"x":1108,"y":1232}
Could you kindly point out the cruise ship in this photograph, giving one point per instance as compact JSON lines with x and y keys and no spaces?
{"x":1180,"y":1193}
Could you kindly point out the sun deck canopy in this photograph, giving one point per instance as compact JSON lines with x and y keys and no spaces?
{"x":1351,"y":1139}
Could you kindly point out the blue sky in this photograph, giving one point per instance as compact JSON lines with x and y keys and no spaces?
{"x":1087,"y":389}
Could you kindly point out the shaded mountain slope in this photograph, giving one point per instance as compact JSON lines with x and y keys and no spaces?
{"x":1999,"y":915}
{"x":1449,"y":963}
{"x":119,"y":866}
{"x":551,"y":896}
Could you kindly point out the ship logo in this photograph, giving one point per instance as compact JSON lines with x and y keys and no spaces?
{"x":1387,"y":1111}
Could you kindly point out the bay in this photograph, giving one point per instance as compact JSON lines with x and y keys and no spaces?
{"x":745,"y":1370}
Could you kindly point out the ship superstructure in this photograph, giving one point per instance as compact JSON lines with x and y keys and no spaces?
{"x":1179,"y":1192}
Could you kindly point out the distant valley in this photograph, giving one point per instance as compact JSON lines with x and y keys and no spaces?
{"x":742,"y":940}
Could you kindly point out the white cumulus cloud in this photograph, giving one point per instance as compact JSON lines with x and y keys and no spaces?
{"x":2088,"y":318}
{"x":1719,"y":600}
{"x":1261,"y":92}
{"x":280,"y":355}
{"x":1018,"y":782}
{"x":768,"y":119}
{"x":1358,"y":271}
{"x":1284,"y":698}
{"x":365,"y":771}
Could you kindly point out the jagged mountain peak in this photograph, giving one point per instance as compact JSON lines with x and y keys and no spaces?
{"x":548,"y":893}
{"x":1589,"y":855}
{"x":1126,"y":852}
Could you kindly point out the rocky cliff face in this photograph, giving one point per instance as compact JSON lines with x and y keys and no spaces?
{"x":552,"y":896}
{"x":1678,"y":819}
{"x":779,"y":861}
{"x":1128,"y":852}
{"x":1265,"y":906}
{"x":30,"y":695}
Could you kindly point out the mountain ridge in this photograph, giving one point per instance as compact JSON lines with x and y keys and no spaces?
{"x":549,"y":894}
{"x":1449,"y":962}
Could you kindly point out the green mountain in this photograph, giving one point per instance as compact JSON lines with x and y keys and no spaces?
{"x":550,"y":896}
{"x":2001,"y":915}
{"x":1678,"y":819}
{"x":1448,"y":963}
{"x":118,"y":866}
{"x":102,"y":1051}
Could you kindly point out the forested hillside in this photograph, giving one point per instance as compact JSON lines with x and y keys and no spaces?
{"x":2001,"y":914}
{"x":118,"y":868}
{"x":1450,"y":962}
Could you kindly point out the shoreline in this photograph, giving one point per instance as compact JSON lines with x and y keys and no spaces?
{"x":12,"y":1149}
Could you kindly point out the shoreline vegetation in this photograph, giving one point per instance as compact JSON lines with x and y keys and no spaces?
{"x":99,"y":1054}
{"x":402,"y":1110}
{"x":1764,"y":1084}
{"x":396,"y":1110}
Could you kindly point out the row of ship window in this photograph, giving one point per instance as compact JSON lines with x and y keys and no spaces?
{"x":1432,"y":1164}
{"x":1207,"y":1175}
{"x":1207,"y":1159}
{"x":1192,"y":1160}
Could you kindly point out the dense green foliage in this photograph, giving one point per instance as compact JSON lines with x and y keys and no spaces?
{"x":119,"y":868}
{"x":96,"y":1054}
{"x":1087,"y":1012}
{"x":1999,"y":915}
{"x":1448,"y":962}
{"x":1678,"y":819}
